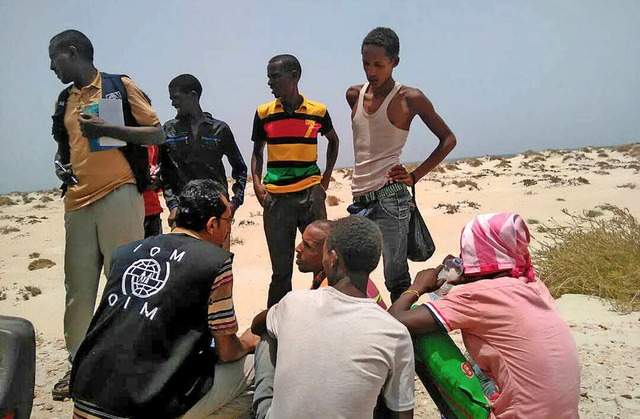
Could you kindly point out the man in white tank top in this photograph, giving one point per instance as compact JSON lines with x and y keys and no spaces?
{"x":381,"y":113}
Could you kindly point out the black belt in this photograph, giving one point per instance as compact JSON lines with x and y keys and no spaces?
{"x":387,"y":190}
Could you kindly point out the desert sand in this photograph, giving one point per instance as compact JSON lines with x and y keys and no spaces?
{"x":537,"y":185}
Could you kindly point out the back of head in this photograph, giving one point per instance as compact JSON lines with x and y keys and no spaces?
{"x":385,"y":38}
{"x":186,"y":83}
{"x":198,"y":202}
{"x":73,"y":38}
{"x":289,"y":63}
{"x":492,"y":243}
{"x":358,"y":244}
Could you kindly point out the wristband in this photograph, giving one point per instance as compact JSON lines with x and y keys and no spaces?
{"x":412,"y":292}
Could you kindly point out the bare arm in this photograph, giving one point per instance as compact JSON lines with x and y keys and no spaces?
{"x":419,"y":104}
{"x":259,"y":323}
{"x":418,"y":320}
{"x":257,"y":163}
{"x":231,"y":347}
{"x":94,"y":127}
{"x":352,"y":97}
{"x":332,"y":156}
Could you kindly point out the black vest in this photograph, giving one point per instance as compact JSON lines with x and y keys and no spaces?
{"x":136,"y":155}
{"x":148,"y":352}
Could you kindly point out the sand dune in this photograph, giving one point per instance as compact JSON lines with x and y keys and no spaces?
{"x":538,"y":185}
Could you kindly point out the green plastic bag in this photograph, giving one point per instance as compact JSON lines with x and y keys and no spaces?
{"x":444,"y":370}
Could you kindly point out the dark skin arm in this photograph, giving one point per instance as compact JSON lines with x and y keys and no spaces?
{"x":418,"y":320}
{"x":418,"y":104}
{"x":257,"y":163}
{"x":94,"y":127}
{"x":231,"y":347}
{"x":332,"y":156}
{"x":259,"y":323}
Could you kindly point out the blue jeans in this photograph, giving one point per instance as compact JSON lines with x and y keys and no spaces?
{"x":392,"y":215}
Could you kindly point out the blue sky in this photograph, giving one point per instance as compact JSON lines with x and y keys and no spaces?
{"x":506,"y":76}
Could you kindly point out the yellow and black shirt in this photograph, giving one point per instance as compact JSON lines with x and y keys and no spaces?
{"x":292,"y":143}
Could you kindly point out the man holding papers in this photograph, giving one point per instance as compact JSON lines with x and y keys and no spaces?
{"x":103,"y":205}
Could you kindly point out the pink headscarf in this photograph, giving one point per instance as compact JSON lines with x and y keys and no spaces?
{"x":496,"y":242}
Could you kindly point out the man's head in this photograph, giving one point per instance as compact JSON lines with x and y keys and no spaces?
{"x":309,"y":251}
{"x":283,"y":74}
{"x":380,"y":55}
{"x":203,"y":208}
{"x":352,"y":249}
{"x":68,"y":52}
{"x":184,"y":93}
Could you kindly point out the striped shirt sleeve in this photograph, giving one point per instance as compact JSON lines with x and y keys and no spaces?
{"x":221,"y":314}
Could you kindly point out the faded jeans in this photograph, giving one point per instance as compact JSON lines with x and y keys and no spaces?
{"x":283,"y":214}
{"x":392,"y":215}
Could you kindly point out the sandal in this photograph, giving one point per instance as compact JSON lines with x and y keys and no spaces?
{"x":60,"y":390}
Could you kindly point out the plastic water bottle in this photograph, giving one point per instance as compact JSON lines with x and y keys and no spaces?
{"x":489,"y":388}
{"x":452,"y":269}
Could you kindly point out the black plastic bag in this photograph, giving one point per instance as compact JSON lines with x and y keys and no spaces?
{"x":420,"y":245}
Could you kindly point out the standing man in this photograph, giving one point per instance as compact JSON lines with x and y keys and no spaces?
{"x":336,"y":349}
{"x":381,"y":112}
{"x":196,"y":143}
{"x":103,"y":205}
{"x":292,"y":193}
{"x":148,"y":352}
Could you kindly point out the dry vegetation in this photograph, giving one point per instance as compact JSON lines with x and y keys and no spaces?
{"x":6,"y":201}
{"x":464,"y":183}
{"x":8,"y":229}
{"x":332,"y":200}
{"x":41,"y":264}
{"x":593,"y":256}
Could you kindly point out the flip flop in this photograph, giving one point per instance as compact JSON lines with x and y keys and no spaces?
{"x":60,"y":390}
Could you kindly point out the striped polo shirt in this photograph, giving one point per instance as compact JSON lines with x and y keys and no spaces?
{"x":292,"y":143}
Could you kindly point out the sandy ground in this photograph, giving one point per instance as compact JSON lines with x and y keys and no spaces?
{"x":536,"y":185}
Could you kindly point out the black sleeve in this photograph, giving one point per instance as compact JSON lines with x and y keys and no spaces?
{"x":238,"y":166}
{"x":258,"y":133}
{"x":327,"y":124}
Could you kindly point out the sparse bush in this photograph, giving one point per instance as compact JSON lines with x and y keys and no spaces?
{"x":236,"y":241}
{"x":593,"y":256}
{"x":41,"y":264}
{"x":8,"y":229}
{"x":504,"y":164}
{"x":46,"y":198}
{"x":26,"y":198}
{"x":582,"y":180}
{"x":39,"y":206}
{"x":34,"y":255}
{"x":437,"y":169}
{"x":6,"y":201}
{"x":538,"y":159}
{"x":474,"y":162}
{"x":560,"y":199}
{"x":332,"y":200}
{"x":532,"y":221}
{"x":35,"y":291}
{"x":463,"y":183}
{"x":449,"y":208}
{"x":629,"y":185}
{"x":471,"y":204}
{"x":529,"y":182}
{"x":593,"y":213}
{"x":246,"y":223}
{"x":451,"y":166}
{"x":531,"y":153}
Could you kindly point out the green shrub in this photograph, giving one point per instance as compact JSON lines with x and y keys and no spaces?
{"x":593,"y":256}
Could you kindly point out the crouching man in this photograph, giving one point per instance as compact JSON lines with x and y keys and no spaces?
{"x":149,"y":350}
{"x":337,"y":350}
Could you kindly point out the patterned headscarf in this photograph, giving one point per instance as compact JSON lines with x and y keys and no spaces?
{"x":492,"y":243}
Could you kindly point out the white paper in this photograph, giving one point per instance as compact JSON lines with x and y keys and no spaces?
{"x":111,"y":111}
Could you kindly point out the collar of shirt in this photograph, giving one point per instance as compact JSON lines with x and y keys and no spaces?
{"x":303,"y":105}
{"x":95,"y":84}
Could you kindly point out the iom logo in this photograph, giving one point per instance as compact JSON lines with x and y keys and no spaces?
{"x":144,"y":278}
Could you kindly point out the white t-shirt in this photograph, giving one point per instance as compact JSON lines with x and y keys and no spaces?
{"x":335,"y":355}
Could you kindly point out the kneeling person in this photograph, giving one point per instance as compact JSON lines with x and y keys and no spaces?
{"x":357,"y":350}
{"x":148,"y":351}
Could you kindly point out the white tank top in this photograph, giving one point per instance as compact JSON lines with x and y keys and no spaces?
{"x":377,"y":144}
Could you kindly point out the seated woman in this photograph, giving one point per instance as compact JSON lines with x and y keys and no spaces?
{"x":509,"y":322}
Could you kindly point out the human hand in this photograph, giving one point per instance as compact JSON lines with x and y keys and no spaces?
{"x":399,"y":173}
{"x":261,"y":192}
{"x":92,"y":126}
{"x":64,"y":172}
{"x":427,"y":280}
{"x":172,"y":218}
{"x":249,"y":340}
{"x":325,"y":181}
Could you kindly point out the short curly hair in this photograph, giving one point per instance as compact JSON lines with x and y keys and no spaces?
{"x":186,"y":83}
{"x":198,"y":202}
{"x":73,"y":38}
{"x":289,"y":63}
{"x":385,"y":38}
{"x":358,"y":243}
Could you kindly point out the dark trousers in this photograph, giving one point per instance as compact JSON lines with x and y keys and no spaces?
{"x":283,"y":214}
{"x":152,"y":225}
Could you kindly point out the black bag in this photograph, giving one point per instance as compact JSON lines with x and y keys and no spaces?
{"x":420,"y":245}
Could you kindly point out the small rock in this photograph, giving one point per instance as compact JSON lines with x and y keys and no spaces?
{"x":626,"y":396}
{"x":48,"y":406}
